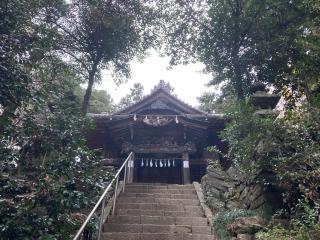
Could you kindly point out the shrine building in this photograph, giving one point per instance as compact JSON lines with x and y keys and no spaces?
{"x":168,"y":137}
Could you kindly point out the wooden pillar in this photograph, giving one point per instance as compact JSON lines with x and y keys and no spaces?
{"x":186,"y":168}
{"x":130,"y":170}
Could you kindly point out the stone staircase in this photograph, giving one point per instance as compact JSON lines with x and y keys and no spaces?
{"x":158,"y":212}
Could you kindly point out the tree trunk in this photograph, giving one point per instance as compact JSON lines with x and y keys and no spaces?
{"x":239,"y":83}
{"x":86,"y":97}
{"x":235,"y":54}
{"x":238,"y":78}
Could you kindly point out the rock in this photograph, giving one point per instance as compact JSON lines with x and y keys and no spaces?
{"x":229,"y":188}
{"x":280,"y":221}
{"x":234,"y":174}
{"x":218,"y":179}
{"x":232,"y":205}
{"x":258,"y":203}
{"x":246,"y":225}
{"x":217,"y":173}
{"x":245,"y":237}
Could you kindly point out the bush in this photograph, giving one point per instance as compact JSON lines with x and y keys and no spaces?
{"x":280,"y":233}
{"x":222,"y":219}
{"x":276,"y":233}
{"x":288,"y":148}
{"x":49,"y":179}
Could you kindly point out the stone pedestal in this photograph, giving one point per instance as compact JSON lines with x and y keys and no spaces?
{"x":186,"y":168}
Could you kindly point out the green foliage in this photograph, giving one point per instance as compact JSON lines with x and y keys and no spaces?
{"x":23,"y":41}
{"x":214,"y":202}
{"x":207,"y":102}
{"x":288,"y":147}
{"x":243,"y":41}
{"x":104,"y":34}
{"x":288,"y":150}
{"x":215,"y":102}
{"x":279,"y":232}
{"x":100,"y":100}
{"x":303,"y":225}
{"x":243,"y":133}
{"x":222,"y":219}
{"x":135,"y":95}
{"x":48,"y":175}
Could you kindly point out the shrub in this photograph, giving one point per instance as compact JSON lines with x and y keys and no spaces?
{"x":49,"y":179}
{"x":280,"y":233}
{"x":277,"y":232}
{"x":288,"y":148}
{"x":222,"y":219}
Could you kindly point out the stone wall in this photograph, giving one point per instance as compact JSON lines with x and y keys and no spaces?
{"x":229,"y":190}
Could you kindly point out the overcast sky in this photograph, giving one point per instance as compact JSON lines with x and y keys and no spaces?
{"x":187,"y":80}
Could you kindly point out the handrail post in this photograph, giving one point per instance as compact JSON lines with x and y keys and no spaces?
{"x":124,"y":176}
{"x":101,"y":218}
{"x":115,"y":197}
{"x":129,"y":168}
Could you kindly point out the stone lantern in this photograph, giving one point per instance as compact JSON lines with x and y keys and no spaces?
{"x":264,"y":101}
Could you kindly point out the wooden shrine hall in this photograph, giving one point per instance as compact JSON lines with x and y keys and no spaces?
{"x":168,"y":137}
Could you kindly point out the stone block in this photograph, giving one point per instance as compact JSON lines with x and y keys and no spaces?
{"x":245,"y":237}
{"x":124,"y":219}
{"x":161,"y":236}
{"x":160,"y":220}
{"x":129,"y":228}
{"x":120,"y":236}
{"x":192,"y":221}
{"x":246,"y":225}
{"x":201,"y":230}
{"x":149,"y":228}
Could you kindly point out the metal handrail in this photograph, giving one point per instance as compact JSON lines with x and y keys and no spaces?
{"x":103,"y":196}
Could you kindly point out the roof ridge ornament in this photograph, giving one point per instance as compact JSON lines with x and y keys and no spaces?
{"x":161,"y":85}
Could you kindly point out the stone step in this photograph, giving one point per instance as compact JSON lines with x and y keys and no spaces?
{"x":152,"y":228}
{"x":192,"y":202}
{"x":161,"y":191}
{"x":159,"y":195}
{"x":160,"y":187}
{"x":159,"y":220}
{"x":192,"y":212}
{"x":155,"y":236}
{"x":158,"y":212}
{"x":150,"y":184}
{"x":158,"y":206}
{"x":151,"y":206}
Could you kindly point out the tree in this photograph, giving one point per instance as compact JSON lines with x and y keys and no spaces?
{"x":165,"y":85}
{"x":104,"y":34}
{"x":207,"y":102}
{"x":47,"y":175}
{"x":301,"y":76}
{"x":243,"y":41}
{"x":135,"y":95}
{"x":100,"y":101}
{"x":25,"y":37}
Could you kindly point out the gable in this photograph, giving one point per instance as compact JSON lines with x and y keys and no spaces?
{"x":162,"y":101}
